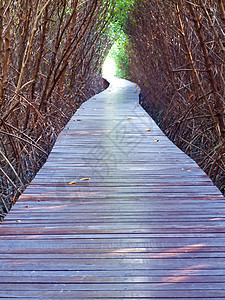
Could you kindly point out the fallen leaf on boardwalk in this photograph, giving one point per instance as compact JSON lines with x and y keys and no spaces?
{"x":72,"y":182}
{"x":83,"y":107}
{"x":39,"y":200}
{"x":182,"y":169}
{"x":136,"y":89}
{"x":219,"y":213}
{"x":188,"y":170}
{"x":148,"y":130}
{"x":114,"y":121}
{"x":18,"y":221}
{"x":129,"y":118}
{"x":82,"y":179}
{"x":14,"y":199}
{"x":27,"y":206}
{"x":164,"y":147}
{"x":156,"y":140}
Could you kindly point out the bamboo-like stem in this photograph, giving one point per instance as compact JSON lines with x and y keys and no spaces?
{"x":221,"y":4}
{"x":7,"y":48}
{"x":1,"y":51}
{"x":208,"y":64}
{"x":9,"y":179}
{"x":27,"y":53}
{"x":12,"y":168}
{"x":194,"y":70}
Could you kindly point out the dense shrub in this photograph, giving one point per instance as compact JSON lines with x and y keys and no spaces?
{"x":51,"y":55}
{"x":177,"y":56}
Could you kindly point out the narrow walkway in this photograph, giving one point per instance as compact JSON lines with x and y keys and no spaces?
{"x":148,"y":224}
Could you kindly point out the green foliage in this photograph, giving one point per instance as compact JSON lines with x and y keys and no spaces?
{"x":118,"y":36}
{"x":119,"y":54}
{"x":119,"y":19}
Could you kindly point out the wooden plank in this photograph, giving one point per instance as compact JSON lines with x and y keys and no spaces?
{"x":161,"y":295}
{"x":144,"y":287}
{"x":207,"y":279}
{"x":148,"y":224}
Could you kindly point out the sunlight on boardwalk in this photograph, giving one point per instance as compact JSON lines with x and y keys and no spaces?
{"x":117,"y":212}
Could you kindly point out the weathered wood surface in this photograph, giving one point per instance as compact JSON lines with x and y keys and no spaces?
{"x":149,"y":224}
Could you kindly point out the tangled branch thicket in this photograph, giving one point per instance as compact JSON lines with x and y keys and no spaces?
{"x":49,"y":53}
{"x":177,"y":57}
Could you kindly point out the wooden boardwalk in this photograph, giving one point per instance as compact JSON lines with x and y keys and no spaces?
{"x":148,"y":224}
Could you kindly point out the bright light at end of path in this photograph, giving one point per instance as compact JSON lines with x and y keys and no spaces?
{"x":109,"y":69}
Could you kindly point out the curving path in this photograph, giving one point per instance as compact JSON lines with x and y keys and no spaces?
{"x":148,"y":224}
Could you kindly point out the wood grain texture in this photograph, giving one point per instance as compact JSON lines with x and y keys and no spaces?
{"x":148,"y":224}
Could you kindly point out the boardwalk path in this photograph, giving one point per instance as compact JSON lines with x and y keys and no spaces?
{"x":148,"y":224}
